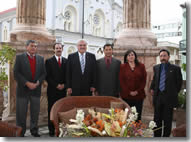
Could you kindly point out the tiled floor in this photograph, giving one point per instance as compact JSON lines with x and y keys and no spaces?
{"x":43,"y":131}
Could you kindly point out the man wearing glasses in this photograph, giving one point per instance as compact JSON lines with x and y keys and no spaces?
{"x":81,"y":71}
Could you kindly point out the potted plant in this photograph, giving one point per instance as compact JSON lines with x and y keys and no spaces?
{"x":181,"y":109}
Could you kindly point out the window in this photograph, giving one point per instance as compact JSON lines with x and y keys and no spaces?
{"x":67,"y":15}
{"x":96,"y":19}
{"x":179,"y":33}
{"x":5,"y":34}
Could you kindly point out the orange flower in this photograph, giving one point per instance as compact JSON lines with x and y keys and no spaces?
{"x":120,"y":123}
{"x":117,"y":110}
{"x":100,"y":125}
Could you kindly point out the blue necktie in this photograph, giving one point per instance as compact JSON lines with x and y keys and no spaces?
{"x":162,"y":78}
{"x":82,"y":63}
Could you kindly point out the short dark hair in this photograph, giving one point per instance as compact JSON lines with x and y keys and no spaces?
{"x":164,"y":50}
{"x":30,"y":41}
{"x":57,"y":43}
{"x":127,"y":53}
{"x":108,"y":44}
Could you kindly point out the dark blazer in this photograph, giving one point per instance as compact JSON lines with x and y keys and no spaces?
{"x":81,"y":83}
{"x":173,"y":83}
{"x":108,"y":83}
{"x":55,"y":75}
{"x":22,"y":74}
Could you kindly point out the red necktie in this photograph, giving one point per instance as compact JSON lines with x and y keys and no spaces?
{"x":108,"y":63}
{"x":59,"y":63}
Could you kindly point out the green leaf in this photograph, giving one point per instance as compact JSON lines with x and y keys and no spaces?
{"x":7,"y":55}
{"x":125,"y":133}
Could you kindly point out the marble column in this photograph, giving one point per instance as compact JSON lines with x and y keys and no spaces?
{"x":30,"y":22}
{"x":137,"y":35}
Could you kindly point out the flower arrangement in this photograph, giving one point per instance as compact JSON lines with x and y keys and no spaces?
{"x":118,"y":123}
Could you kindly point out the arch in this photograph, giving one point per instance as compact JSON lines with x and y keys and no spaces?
{"x":70,"y":17}
{"x":108,"y":29}
{"x":119,"y":28}
{"x":99,"y":23}
{"x":71,"y":49}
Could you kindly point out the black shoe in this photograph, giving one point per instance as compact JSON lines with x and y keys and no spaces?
{"x":51,"y":133}
{"x":35,"y":134}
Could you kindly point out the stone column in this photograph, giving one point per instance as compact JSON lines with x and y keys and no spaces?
{"x":136,"y":25}
{"x":30,"y":24}
{"x":137,"y":35}
{"x":31,"y":17}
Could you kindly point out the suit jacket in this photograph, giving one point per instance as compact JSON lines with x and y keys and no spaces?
{"x":173,"y":83}
{"x":108,"y":83}
{"x":81,"y":83}
{"x":22,"y":74}
{"x":55,"y":75}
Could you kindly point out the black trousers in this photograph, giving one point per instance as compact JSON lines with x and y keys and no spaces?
{"x":51,"y":101}
{"x":163,"y":114}
{"x":138,"y":104}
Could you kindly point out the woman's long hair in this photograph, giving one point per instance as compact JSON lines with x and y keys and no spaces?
{"x":127,"y":53}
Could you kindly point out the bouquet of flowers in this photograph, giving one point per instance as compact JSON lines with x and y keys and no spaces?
{"x":118,"y":123}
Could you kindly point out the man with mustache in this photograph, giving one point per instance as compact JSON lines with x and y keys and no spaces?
{"x":166,"y":84}
{"x":56,"y":78}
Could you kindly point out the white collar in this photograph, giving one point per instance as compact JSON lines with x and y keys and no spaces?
{"x":81,"y":54}
{"x":30,"y":54}
{"x":58,"y":57}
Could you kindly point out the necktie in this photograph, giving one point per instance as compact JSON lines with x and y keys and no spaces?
{"x":59,"y":63}
{"x":108,"y":63}
{"x":162,"y":78}
{"x":82,"y":63}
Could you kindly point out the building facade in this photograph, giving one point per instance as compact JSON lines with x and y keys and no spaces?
{"x":64,"y":19}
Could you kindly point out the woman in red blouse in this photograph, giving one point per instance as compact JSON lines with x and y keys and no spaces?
{"x":132,"y":81}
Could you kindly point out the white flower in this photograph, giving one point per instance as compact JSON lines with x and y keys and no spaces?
{"x":126,"y":110}
{"x":103,"y":132}
{"x":80,"y":116}
{"x":152,"y":124}
{"x":133,"y":117}
{"x":133,"y":109}
{"x":110,"y":111}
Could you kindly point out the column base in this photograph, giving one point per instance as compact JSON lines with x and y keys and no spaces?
{"x":38,"y":33}
{"x":136,"y":38}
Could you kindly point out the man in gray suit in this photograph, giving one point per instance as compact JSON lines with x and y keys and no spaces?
{"x":29,"y":72}
{"x":108,"y":83}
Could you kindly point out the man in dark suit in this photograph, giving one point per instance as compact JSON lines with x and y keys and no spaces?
{"x":81,"y":71}
{"x":56,"y":78}
{"x":108,"y":83}
{"x":29,"y":72}
{"x":166,"y":84}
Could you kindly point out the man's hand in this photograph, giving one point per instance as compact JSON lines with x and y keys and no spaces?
{"x":31,"y":85}
{"x":152,"y":92}
{"x":60,"y":86}
{"x":69,"y":91}
{"x":133,"y":93}
{"x":92,"y":89}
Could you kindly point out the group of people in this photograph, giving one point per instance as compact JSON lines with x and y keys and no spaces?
{"x":82,"y":75}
